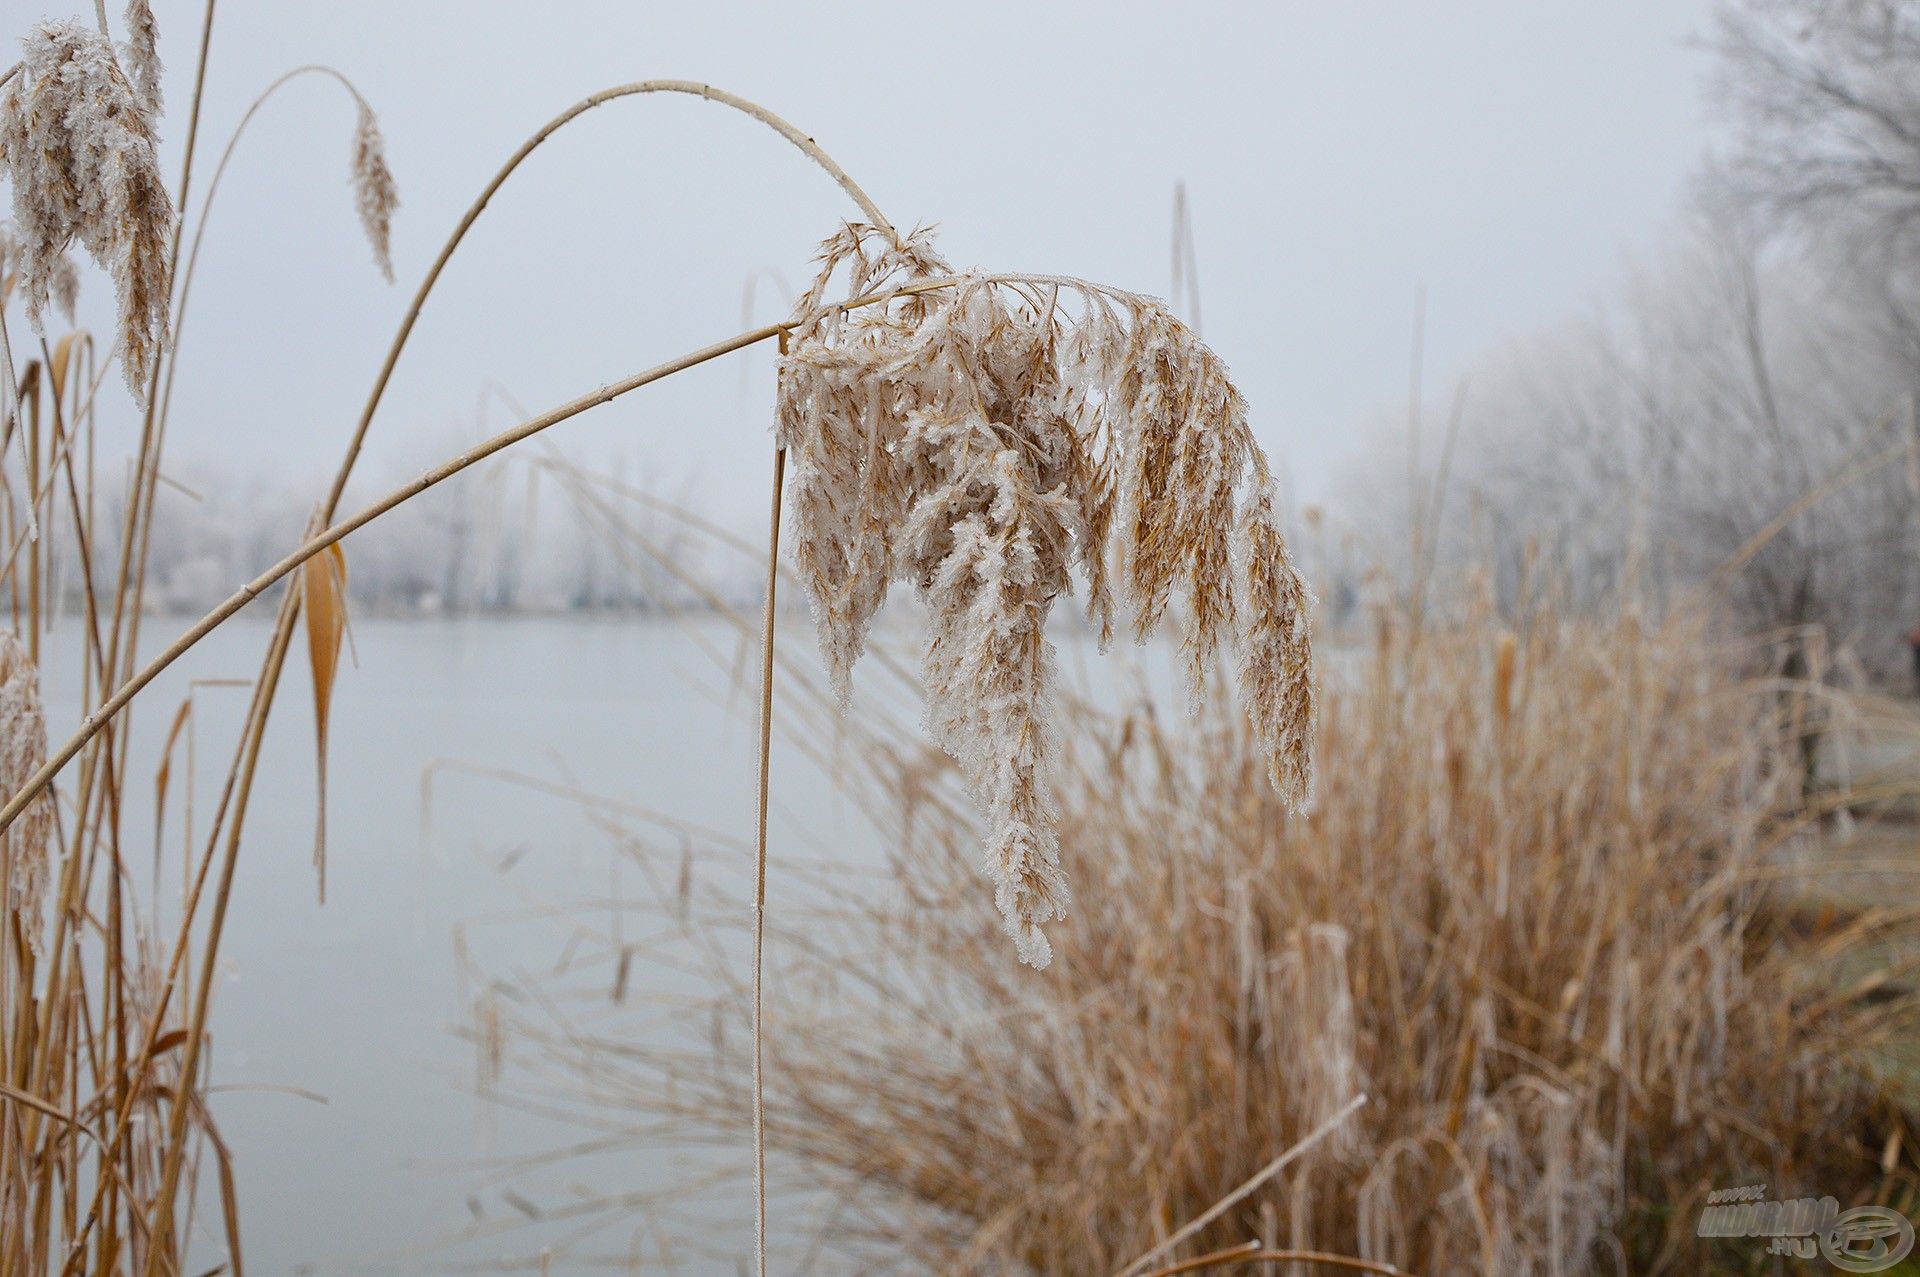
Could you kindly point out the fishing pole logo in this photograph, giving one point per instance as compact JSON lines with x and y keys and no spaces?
{"x":1866,"y":1239}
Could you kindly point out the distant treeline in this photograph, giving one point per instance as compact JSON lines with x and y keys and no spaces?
{"x":1742,"y":415}
{"x":513,"y":536}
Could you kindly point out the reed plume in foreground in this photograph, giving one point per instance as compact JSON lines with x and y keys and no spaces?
{"x":1544,"y":914}
{"x":77,"y":145}
{"x":981,"y":440}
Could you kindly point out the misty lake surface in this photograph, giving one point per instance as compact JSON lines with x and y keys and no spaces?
{"x":343,"y":1085}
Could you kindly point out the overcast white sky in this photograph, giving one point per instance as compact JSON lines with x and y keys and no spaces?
{"x":1507,"y":155}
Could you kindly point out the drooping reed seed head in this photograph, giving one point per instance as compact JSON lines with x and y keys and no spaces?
{"x":64,"y":288}
{"x":375,"y":195}
{"x":979,"y":439}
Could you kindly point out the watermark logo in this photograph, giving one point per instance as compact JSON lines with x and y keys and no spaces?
{"x":1866,"y":1239}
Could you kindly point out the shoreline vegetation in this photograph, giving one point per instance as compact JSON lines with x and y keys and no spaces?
{"x":1492,"y":938}
{"x":1581,"y":978}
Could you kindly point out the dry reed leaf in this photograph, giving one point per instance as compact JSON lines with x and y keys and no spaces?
{"x":323,"y":591}
{"x":1506,"y":654}
{"x":63,"y":352}
{"x":38,"y":1105}
{"x":229,"y":1193}
{"x":163,"y":774}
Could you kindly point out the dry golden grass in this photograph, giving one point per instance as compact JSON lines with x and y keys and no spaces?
{"x":1546,"y":914}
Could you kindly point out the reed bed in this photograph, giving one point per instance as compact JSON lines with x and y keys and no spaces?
{"x":1549,"y":914}
{"x":107,"y":966}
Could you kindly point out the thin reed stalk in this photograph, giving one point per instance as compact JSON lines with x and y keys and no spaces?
{"x":760,"y":859}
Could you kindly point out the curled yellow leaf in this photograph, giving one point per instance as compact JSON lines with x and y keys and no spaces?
{"x":323,"y":597}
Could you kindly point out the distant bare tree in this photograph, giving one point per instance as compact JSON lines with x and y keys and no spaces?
{"x":1731,"y":419}
{"x":1737,"y":417}
{"x":1825,"y":95}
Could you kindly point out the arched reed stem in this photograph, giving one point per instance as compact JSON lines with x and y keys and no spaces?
{"x":138,"y":577}
{"x":1255,"y":1253}
{"x":806,"y":145}
{"x":241,"y":774}
{"x":105,"y":713}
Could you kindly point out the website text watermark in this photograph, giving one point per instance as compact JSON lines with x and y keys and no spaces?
{"x":1866,"y":1239}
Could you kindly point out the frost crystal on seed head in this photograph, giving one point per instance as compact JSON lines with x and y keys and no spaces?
{"x":978,"y":438}
{"x":143,"y":54}
{"x":63,"y":287}
{"x":77,"y":144}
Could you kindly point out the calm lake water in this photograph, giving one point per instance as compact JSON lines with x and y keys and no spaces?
{"x":356,"y":1003}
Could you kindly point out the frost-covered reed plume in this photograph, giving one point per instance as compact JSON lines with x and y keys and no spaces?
{"x":980,"y":438}
{"x":77,"y":145}
{"x":23,"y":747}
{"x":374,"y":193}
